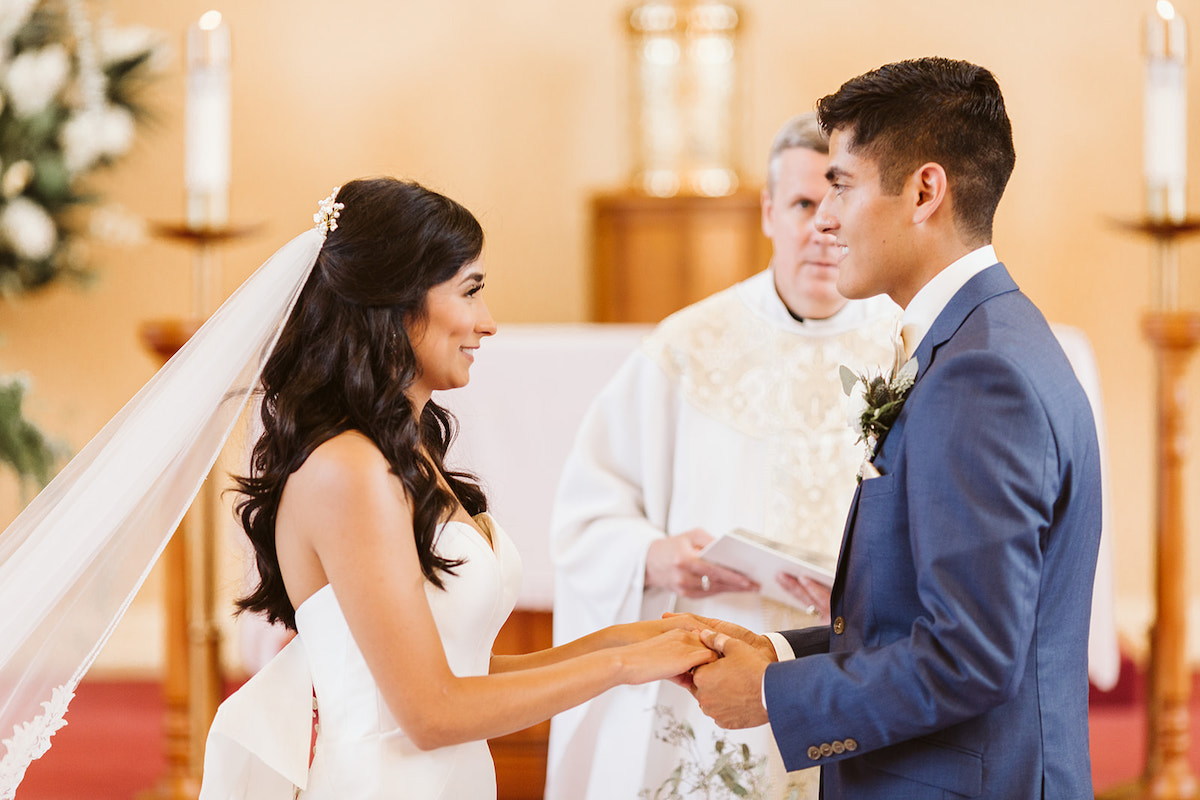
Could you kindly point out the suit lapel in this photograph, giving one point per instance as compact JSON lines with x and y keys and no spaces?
{"x":992,"y":281}
{"x":984,"y":285}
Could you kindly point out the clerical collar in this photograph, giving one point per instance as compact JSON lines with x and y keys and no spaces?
{"x":759,"y":294}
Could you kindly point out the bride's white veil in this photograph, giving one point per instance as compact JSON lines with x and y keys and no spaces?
{"x":72,"y":561}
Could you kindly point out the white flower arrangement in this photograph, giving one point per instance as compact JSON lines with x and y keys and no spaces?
{"x":28,"y":229}
{"x":36,"y":77}
{"x":68,"y":106}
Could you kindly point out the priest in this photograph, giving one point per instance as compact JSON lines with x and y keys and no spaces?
{"x":730,"y":416}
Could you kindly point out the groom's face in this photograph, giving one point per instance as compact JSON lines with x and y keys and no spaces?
{"x":867,"y":224}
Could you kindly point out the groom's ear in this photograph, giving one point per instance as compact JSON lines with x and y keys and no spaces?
{"x":929,"y":187}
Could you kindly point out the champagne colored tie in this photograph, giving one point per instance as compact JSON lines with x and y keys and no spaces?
{"x":909,"y":340}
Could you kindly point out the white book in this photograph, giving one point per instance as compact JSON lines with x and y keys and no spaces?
{"x":761,"y":560}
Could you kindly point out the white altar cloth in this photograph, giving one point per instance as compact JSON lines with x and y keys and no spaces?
{"x":530,"y":386}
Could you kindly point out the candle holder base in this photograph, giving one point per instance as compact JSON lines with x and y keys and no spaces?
{"x":1159,"y":228}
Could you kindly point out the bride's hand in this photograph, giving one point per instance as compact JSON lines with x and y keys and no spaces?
{"x":663,"y":657}
{"x":634,"y":632}
{"x":695,"y":622}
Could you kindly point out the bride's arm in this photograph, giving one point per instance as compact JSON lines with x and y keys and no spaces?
{"x":353,"y":514}
{"x":612,"y":636}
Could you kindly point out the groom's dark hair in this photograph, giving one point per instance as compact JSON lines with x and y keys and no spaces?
{"x":950,"y":112}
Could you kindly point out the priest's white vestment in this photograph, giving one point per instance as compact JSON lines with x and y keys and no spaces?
{"x":730,"y":415}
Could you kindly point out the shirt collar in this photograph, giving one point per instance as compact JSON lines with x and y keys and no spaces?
{"x":928,"y":303}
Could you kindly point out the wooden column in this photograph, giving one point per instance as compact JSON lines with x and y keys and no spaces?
{"x":654,"y":255}
{"x":192,"y":680}
{"x":1174,"y":335}
{"x":181,"y":781}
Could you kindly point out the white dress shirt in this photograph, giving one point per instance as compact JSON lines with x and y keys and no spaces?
{"x":929,"y":301}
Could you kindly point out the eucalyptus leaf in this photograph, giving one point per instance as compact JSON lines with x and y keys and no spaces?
{"x":848,"y":379}
{"x":729,"y":770}
{"x":729,"y":777}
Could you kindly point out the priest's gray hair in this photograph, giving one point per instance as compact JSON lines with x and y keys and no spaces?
{"x":801,"y":130}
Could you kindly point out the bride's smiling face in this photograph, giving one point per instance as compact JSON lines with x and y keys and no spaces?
{"x":444,"y":342}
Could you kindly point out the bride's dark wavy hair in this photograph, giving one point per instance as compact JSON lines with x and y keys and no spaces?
{"x":344,"y":361}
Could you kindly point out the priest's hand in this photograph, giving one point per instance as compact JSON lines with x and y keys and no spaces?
{"x":730,"y":689}
{"x":674,"y":564}
{"x":811,"y":594}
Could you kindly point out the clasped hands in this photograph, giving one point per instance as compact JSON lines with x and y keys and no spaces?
{"x":729,"y":688}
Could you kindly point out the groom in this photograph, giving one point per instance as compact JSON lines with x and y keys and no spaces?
{"x":956,"y":663}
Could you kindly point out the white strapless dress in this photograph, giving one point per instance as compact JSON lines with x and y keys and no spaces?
{"x":259,"y":744}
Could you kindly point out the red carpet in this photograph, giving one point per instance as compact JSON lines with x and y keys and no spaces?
{"x":111,"y":748}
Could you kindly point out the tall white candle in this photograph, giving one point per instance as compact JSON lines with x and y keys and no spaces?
{"x":207,"y":142}
{"x":1164,"y":136}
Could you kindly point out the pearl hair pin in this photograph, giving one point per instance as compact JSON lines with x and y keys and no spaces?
{"x":327,"y":214}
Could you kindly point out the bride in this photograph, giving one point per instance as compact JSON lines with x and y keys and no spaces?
{"x":384,"y":561}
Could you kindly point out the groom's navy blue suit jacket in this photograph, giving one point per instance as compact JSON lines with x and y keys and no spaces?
{"x":956,"y":664}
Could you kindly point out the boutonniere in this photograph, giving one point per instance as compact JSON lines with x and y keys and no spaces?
{"x":875,"y":401}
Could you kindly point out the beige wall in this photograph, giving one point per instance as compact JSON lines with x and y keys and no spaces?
{"x":518,"y":109}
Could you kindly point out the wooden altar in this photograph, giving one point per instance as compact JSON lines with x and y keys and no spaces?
{"x":651,"y":256}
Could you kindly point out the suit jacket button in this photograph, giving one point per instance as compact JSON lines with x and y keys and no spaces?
{"x":826,"y":749}
{"x":851,"y":745}
{"x":814,"y":753}
{"x":839,"y":748}
{"x":839,"y":625}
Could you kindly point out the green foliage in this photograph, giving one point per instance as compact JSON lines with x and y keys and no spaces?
{"x":23,"y":447}
{"x":731,"y":771}
{"x":69,"y":94}
{"x":876,"y":401}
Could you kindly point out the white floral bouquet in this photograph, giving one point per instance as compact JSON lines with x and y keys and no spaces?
{"x":68,"y":105}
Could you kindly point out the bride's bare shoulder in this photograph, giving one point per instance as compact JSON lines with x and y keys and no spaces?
{"x":347,"y":464}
